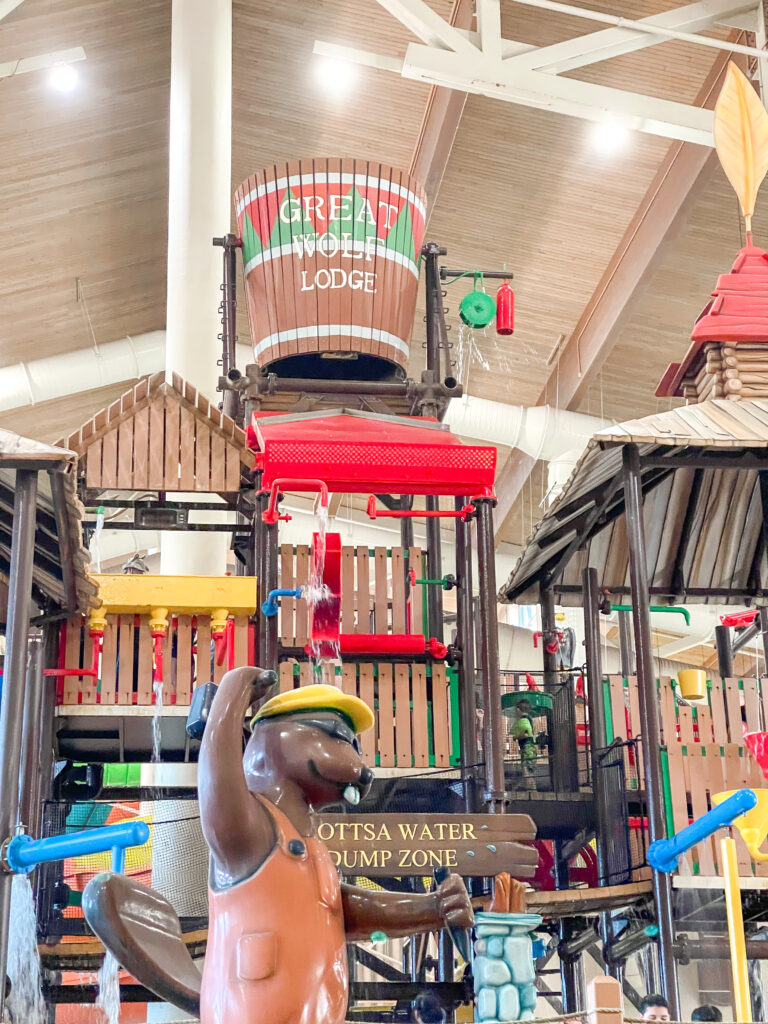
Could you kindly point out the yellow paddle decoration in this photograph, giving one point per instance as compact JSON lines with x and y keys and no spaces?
{"x":741,"y":138}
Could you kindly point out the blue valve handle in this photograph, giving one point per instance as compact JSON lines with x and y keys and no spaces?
{"x":23,"y":853}
{"x":270,"y":606}
{"x":664,"y":853}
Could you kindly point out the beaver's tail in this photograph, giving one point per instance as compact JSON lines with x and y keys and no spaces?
{"x":141,"y":929}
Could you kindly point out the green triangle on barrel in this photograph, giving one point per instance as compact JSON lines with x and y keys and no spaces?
{"x":400,"y":237}
{"x":284,"y":231}
{"x":251,"y":242}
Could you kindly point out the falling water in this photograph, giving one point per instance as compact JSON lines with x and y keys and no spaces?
{"x":26,"y":999}
{"x":157,"y":689}
{"x":109,"y":990}
{"x":317,"y":593}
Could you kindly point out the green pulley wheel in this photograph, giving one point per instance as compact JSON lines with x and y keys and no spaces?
{"x":477,"y":309}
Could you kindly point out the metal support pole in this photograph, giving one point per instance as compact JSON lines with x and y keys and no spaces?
{"x":445,"y":962}
{"x":271,"y":653}
{"x":571,"y":967}
{"x":488,"y":644}
{"x":435,"y":569}
{"x":259,"y":538}
{"x":626,"y":654}
{"x":31,"y":747}
{"x":724,"y":651}
{"x":14,"y":675}
{"x":763,"y":616}
{"x":649,"y":721}
{"x":598,"y":741}
{"x":465,"y":628}
{"x":228,"y":307}
{"x":434,"y":306}
{"x":563,"y":751}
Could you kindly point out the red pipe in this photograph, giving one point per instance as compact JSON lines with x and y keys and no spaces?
{"x":230,"y":635}
{"x":383,"y":644}
{"x":92,"y":672}
{"x":270,"y":514}
{"x":374,"y":513}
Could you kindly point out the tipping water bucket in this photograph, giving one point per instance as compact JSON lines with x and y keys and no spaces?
{"x":330,"y":252}
{"x":693,"y":683}
{"x":757,"y":744}
{"x":753,"y":825}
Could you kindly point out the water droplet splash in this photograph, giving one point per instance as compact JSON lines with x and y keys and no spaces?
{"x":326,"y":656}
{"x":26,"y":1001}
{"x":109,"y":990}
{"x":352,"y":795}
{"x":157,"y":689}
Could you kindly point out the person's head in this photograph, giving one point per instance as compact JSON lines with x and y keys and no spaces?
{"x":523,"y":708}
{"x":428,"y":1010}
{"x":654,"y":1007}
{"x":707,"y":1012}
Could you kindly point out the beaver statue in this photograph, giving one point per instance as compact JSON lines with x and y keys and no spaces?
{"x":279,"y":916}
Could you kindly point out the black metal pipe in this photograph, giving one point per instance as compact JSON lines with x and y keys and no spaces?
{"x":563,"y":751}
{"x":434,"y":568}
{"x":578,"y":942}
{"x":434,"y":306}
{"x":259,"y":540}
{"x":494,"y":275}
{"x":724,"y":651}
{"x":570,"y":966}
{"x":190,"y":506}
{"x":763,"y":617}
{"x":31,"y":746}
{"x":185,"y":528}
{"x":743,"y":638}
{"x":626,"y":653}
{"x":598,"y":741}
{"x":14,"y":677}
{"x":649,"y":721}
{"x":629,"y":942}
{"x":230,"y":243}
{"x":488,"y":644}
{"x":271,"y":557}
{"x":465,"y":641}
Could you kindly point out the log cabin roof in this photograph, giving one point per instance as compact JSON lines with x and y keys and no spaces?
{"x":701,"y":469}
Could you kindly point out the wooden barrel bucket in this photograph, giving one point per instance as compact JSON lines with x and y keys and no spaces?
{"x":330,"y":253}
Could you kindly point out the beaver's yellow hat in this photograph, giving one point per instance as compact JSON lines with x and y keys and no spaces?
{"x":318,"y":697}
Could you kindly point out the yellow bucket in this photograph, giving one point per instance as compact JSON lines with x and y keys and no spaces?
{"x":693,"y":683}
{"x":753,"y":825}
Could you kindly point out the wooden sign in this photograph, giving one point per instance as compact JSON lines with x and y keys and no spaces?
{"x":392,"y":845}
{"x":330,"y":253}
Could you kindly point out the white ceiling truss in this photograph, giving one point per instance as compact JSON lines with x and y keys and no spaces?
{"x":485,"y":63}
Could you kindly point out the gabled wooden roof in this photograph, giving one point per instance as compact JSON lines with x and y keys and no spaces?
{"x":161,"y":436}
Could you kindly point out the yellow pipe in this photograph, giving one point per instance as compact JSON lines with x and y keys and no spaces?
{"x":730,"y":871}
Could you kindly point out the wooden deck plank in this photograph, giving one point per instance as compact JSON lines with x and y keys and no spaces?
{"x":403,"y":748}
{"x":368,"y":740}
{"x":184,"y":660}
{"x":441,"y":729}
{"x":386,"y":717}
{"x":420,"y":716}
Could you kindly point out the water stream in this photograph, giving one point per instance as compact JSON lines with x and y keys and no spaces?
{"x":109,"y":990}
{"x":157,"y":689}
{"x":325,"y":657}
{"x":26,"y":1001}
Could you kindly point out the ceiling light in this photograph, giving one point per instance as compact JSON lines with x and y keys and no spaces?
{"x":609,"y":137}
{"x":335,"y":76}
{"x":63,"y":77}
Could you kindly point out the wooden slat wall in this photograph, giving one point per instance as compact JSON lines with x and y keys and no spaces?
{"x":163,"y":445}
{"x":413,"y":729}
{"x":127,"y":660}
{"x":370,"y":582}
{"x":706,"y":753}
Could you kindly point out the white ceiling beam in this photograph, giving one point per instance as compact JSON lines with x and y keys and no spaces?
{"x":489,"y":27}
{"x":11,"y":68}
{"x":642,"y":27}
{"x":355,"y":56}
{"x":614,"y":42}
{"x":565,"y":96}
{"x":6,"y":6}
{"x":433,"y":30}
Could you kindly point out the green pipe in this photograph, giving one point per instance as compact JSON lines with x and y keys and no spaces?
{"x":656,"y":608}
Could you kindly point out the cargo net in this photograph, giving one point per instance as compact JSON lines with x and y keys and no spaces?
{"x":174,"y":862}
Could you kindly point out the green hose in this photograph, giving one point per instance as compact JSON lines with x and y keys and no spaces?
{"x":656,"y":608}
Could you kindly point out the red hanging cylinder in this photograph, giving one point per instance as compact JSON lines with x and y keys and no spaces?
{"x":505,"y":309}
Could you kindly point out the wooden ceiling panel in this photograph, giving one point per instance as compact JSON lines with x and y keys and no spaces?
{"x":83,"y":178}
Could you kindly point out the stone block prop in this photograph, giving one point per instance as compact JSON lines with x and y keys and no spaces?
{"x":503,"y":969}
